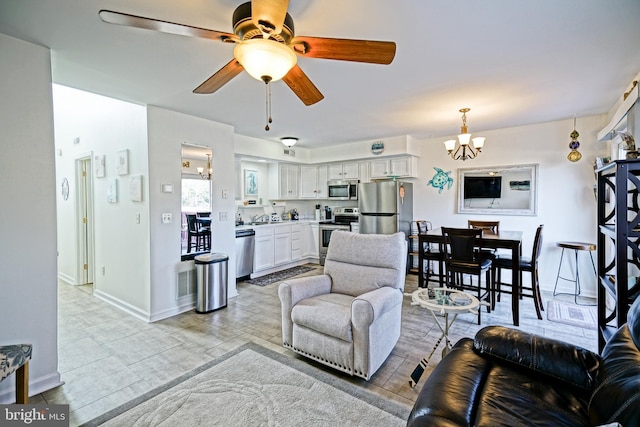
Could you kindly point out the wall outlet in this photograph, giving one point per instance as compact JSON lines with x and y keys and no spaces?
{"x":223,"y":216}
{"x":137,"y":217}
{"x":102,"y":269}
{"x":166,"y":218}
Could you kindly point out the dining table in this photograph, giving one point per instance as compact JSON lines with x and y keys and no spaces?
{"x":503,"y":239}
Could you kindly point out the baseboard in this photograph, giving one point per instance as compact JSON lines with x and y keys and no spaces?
{"x":67,"y":279}
{"x":36,"y":386}
{"x":124,"y":306}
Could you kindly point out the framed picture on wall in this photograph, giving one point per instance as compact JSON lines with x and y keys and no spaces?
{"x":250,"y":182}
{"x":100,"y":165}
{"x":112,"y":190}
{"x":123,"y":162}
{"x":135,"y":188}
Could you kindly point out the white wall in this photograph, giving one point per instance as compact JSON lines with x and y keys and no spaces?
{"x":104,"y":126}
{"x":566,"y":202}
{"x":167,"y":131}
{"x":28,"y":300}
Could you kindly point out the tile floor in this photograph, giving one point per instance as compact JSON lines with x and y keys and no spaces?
{"x":107,"y":357}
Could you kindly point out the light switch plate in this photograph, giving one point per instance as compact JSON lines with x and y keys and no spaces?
{"x":166,"y":218}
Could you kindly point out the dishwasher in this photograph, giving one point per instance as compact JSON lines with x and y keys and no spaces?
{"x":245,"y":244}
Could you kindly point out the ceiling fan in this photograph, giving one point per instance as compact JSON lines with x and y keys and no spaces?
{"x":266,"y":46}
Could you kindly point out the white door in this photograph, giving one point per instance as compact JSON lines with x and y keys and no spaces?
{"x":84,"y":191}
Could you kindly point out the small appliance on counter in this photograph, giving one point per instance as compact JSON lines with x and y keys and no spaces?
{"x":327,"y":213}
{"x":317,"y":212}
{"x":294,"y":215}
{"x":275,"y":217}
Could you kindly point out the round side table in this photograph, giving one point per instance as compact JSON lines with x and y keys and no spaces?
{"x":441,"y":301}
{"x":576,"y":247}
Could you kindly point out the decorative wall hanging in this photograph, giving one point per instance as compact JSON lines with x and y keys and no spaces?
{"x":123,"y":162}
{"x":65,"y":189}
{"x":440,"y":180}
{"x":135,"y":188}
{"x":250,"y":182}
{"x":100,"y":165}
{"x":574,"y":155}
{"x":377,"y":147}
{"x":112,"y":190}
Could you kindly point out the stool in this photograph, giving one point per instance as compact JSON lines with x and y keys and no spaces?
{"x":15,"y":358}
{"x":576,"y":247}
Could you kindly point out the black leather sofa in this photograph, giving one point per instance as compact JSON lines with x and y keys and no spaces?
{"x":506,"y":377}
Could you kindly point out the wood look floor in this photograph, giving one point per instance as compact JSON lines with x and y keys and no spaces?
{"x":107,"y":357}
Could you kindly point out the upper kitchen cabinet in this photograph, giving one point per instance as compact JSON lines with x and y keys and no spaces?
{"x":399,"y":167}
{"x":343,"y":171}
{"x":284,"y":179}
{"x":313,"y":182}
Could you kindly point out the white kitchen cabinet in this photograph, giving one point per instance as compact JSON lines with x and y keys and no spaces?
{"x":283,"y":181}
{"x":363,"y":172}
{"x":263,"y":256}
{"x":296,"y":242}
{"x":347,"y":170}
{"x":313,"y":182}
{"x":402,"y":167}
{"x":282,"y":245}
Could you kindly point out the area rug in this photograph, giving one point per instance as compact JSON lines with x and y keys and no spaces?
{"x":571,"y":314}
{"x":255,"y":386}
{"x":280,"y":275}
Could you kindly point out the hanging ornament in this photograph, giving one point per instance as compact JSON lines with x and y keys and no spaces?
{"x":574,"y":155}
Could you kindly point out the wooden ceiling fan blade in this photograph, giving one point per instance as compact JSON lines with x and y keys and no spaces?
{"x":370,"y":51}
{"x":126,"y":19}
{"x":269,"y":15}
{"x":302,"y":86}
{"x":220,"y":78}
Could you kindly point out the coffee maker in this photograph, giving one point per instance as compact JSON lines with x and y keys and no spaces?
{"x":327,"y":213}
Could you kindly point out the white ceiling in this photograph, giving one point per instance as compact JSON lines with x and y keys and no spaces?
{"x":512,"y":62}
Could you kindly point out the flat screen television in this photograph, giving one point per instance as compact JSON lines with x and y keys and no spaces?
{"x":482,"y":187}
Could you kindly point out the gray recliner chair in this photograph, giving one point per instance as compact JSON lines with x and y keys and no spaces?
{"x":349,"y":317}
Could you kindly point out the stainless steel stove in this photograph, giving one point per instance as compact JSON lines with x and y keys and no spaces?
{"x":342,"y":220}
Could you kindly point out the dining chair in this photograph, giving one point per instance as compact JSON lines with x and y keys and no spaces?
{"x":486,"y":226}
{"x":463,"y":257}
{"x":194,"y":231}
{"x":529,"y":264}
{"x":431,"y":254}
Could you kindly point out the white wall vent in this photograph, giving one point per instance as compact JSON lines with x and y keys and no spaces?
{"x":185,"y":283}
{"x":289,"y":152}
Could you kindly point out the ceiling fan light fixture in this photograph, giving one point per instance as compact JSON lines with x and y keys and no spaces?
{"x":265,"y":58}
{"x":289,"y":141}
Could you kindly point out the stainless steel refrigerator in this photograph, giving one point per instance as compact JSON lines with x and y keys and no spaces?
{"x":386,"y":207}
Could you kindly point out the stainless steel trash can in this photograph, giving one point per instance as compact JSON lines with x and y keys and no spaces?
{"x":212,"y":272}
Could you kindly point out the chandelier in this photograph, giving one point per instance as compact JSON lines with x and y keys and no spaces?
{"x":206,"y":174}
{"x":467,"y":148}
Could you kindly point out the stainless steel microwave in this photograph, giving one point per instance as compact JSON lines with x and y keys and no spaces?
{"x":343,"y":189}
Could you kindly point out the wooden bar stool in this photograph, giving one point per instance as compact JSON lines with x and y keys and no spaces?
{"x":15,"y":358}
{"x":576,"y":247}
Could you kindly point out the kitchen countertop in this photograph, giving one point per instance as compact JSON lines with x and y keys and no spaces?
{"x":275,"y":223}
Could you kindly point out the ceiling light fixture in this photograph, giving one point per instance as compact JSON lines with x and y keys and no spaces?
{"x":289,"y":141}
{"x":469,"y":151}
{"x":266,"y":60}
{"x":209,"y":171}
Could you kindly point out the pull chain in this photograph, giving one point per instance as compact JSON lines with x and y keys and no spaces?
{"x":266,"y":80}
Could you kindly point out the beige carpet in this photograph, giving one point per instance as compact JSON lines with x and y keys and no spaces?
{"x":254,"y":386}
